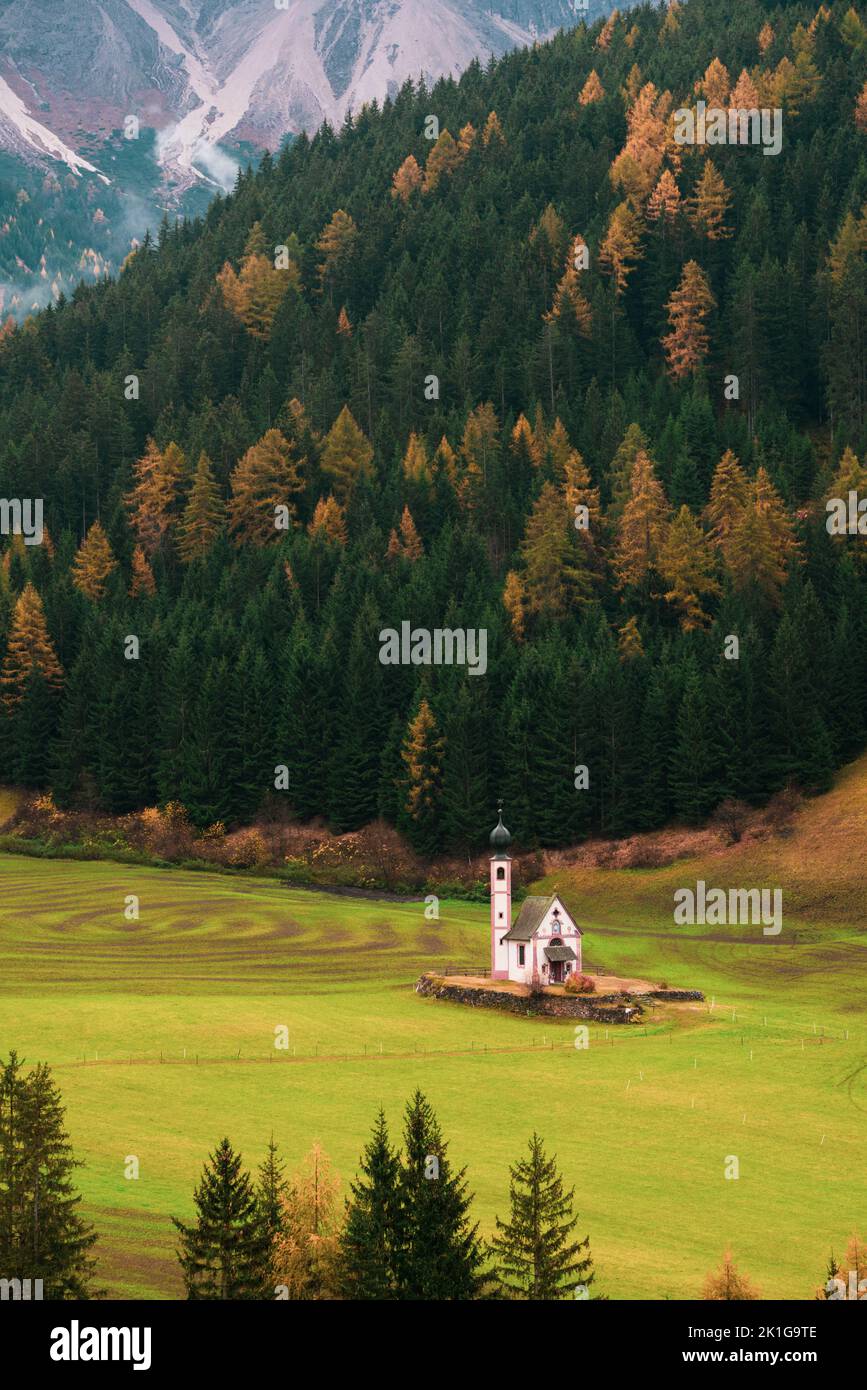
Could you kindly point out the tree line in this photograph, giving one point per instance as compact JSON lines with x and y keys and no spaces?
{"x":476,"y":381}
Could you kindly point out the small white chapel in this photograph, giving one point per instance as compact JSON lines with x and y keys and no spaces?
{"x":544,"y":942}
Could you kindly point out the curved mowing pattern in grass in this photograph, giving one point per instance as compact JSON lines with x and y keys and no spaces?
{"x":641,"y":1124}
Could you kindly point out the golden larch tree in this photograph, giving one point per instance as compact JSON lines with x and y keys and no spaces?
{"x":763,"y":543}
{"x":709,"y":204}
{"x":629,"y":643}
{"x":335,"y":245}
{"x":861,"y":109}
{"x":305,"y":1257}
{"x":142,"y":584}
{"x":745,"y":93}
{"x":665,"y":200}
{"x":267,"y":477}
{"x":515,"y":603}
{"x":347,"y":454}
{"x":204,"y":514}
{"x":555,"y":572}
{"x":422,"y":753}
{"x":729,"y":496}
{"x":29,"y":648}
{"x":643,"y":526}
{"x":93,"y":564}
{"x":579,"y":492}
{"x":621,"y":246}
{"x":766,"y":37}
{"x":686,"y":563}
{"x":254,"y":294}
{"x":715,"y":85}
{"x":592,"y":90}
{"x":407,"y":179}
{"x":479,"y":449}
{"x":411,"y":546}
{"x":444,"y":158}
{"x":151,"y":501}
{"x":492,"y":132}
{"x":728,"y":1284}
{"x":329,"y":521}
{"x":417,"y":467}
{"x":687,"y":344}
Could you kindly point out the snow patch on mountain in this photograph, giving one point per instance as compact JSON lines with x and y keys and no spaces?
{"x":20,"y":128}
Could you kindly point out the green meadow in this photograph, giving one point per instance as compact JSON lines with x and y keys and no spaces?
{"x":162,"y":1034}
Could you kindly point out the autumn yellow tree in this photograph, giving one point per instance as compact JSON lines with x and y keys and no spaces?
{"x":728,"y":1284}
{"x":555,"y":572}
{"x":410,"y":540}
{"x":582,"y":499}
{"x":665,"y":201}
{"x":142,"y":584}
{"x":417,"y":467}
{"x":306,"y":1247}
{"x":265,"y":479}
{"x":643,"y":526}
{"x":729,"y":496}
{"x":687,"y":344}
{"x":861,"y":109}
{"x":715,"y":85}
{"x":335,"y":246}
{"x":255,"y":293}
{"x":29,"y":649}
{"x":570,"y":306}
{"x":592,"y":90}
{"x":422,"y":754}
{"x":347,"y":455}
{"x":93,"y":564}
{"x":151,"y":501}
{"x":329,"y":521}
{"x":709,"y":204}
{"x":636,"y":168}
{"x":204,"y":514}
{"x":444,"y":158}
{"x":763,"y":543}
{"x":621,"y":246}
{"x":515,"y":604}
{"x":686,"y":564}
{"x":621,"y":468}
{"x":492,"y":131}
{"x":407,"y":179}
{"x":629,"y":643}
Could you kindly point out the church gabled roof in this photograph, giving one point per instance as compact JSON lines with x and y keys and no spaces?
{"x":529,"y":919}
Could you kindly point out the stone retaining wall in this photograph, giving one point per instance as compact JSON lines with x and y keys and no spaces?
{"x":599,"y":1008}
{"x":606,"y":1008}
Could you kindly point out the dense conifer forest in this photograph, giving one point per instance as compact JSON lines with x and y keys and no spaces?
{"x":472,"y":372}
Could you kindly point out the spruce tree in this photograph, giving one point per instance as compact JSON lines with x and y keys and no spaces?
{"x":442,"y":1257}
{"x":42,"y":1232}
{"x":373,"y":1239}
{"x":225,"y":1252}
{"x":535,"y":1257}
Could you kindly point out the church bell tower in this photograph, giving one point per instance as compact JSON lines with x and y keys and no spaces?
{"x":501,"y":897}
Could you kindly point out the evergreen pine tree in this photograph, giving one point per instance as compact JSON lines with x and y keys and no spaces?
{"x":224,"y":1252}
{"x":534,"y":1255}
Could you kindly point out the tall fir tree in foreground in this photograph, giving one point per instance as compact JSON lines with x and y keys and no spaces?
{"x":442,"y":1256}
{"x":42,"y":1232}
{"x":373,"y":1236}
{"x":225,"y":1252}
{"x":534,"y":1254}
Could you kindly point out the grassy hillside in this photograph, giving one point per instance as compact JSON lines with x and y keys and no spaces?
{"x":774,"y":1073}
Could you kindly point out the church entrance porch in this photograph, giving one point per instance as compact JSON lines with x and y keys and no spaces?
{"x":560,"y":960}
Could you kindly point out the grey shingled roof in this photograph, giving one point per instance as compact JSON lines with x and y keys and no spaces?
{"x":529,"y":919}
{"x":560,"y":953}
